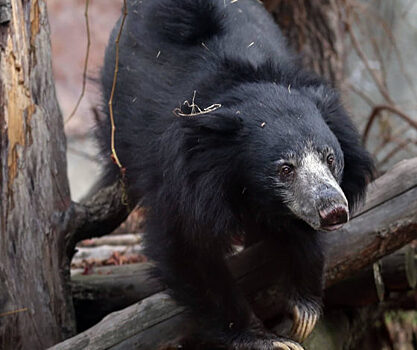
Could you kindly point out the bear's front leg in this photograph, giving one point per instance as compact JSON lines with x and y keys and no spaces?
{"x":300,"y":269}
{"x":196,"y":274}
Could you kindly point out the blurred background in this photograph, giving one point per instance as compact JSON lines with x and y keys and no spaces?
{"x":69,"y":41}
{"x":370,"y":47}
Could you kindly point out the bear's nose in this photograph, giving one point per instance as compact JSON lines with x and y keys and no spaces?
{"x":333,"y":218}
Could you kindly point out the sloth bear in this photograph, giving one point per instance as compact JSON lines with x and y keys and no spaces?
{"x":223,"y":134}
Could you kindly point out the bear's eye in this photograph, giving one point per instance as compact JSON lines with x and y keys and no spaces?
{"x":286,"y":169}
{"x":330,"y":160}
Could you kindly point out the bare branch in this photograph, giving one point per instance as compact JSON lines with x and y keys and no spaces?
{"x":99,"y":214}
{"x":402,"y":144}
{"x":381,"y":88}
{"x":87,"y":54}
{"x":113,"y":89}
{"x":360,"y":93}
{"x":375,"y":17}
{"x":376,"y":112}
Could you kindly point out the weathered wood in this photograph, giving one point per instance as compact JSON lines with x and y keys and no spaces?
{"x":111,"y":288}
{"x":146,"y":325}
{"x":122,"y":239}
{"x":34,"y":189}
{"x":401,"y":178}
{"x":313,"y":29}
{"x":387,"y":222}
{"x":104,"y":252}
{"x":100,"y":213}
{"x":360,"y":290}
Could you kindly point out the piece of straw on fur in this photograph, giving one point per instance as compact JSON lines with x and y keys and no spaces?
{"x":195,"y":109}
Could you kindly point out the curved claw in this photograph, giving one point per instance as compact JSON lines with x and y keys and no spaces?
{"x":280,"y":345}
{"x":304,"y":321}
{"x":287,"y":345}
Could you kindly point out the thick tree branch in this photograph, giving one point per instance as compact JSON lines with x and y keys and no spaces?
{"x":99,"y":214}
{"x":398,"y":274}
{"x":387,"y":222}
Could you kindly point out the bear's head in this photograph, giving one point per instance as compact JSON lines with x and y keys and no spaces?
{"x":281,"y":152}
{"x":286,"y":152}
{"x":294,"y":159}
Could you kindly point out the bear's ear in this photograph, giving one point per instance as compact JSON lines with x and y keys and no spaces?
{"x":359,"y":168}
{"x":214,"y":136}
{"x":212,"y":122}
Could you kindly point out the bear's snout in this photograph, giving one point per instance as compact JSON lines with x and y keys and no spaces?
{"x":333,"y":218}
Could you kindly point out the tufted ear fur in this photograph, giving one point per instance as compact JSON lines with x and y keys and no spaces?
{"x":359,"y":167}
{"x":213,"y":122}
{"x":212,"y":141}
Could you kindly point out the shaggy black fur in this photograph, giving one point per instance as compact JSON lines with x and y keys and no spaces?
{"x":206,"y":178}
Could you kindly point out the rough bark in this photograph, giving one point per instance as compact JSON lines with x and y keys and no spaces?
{"x":387,"y":222}
{"x":125,"y":239}
{"x":35,"y":308}
{"x":398,"y":275}
{"x":99,"y":214}
{"x":113,"y":288}
{"x":315,"y":29}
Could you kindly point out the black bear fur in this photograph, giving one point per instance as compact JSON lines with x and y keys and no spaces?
{"x":205,"y":178}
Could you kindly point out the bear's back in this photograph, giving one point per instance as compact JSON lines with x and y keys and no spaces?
{"x":170,"y":49}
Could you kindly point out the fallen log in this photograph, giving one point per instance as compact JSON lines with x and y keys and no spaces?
{"x":110,"y":288}
{"x":387,"y":222}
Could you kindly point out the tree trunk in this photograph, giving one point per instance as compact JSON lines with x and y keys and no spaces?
{"x":35,"y":305}
{"x":314,"y":29}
